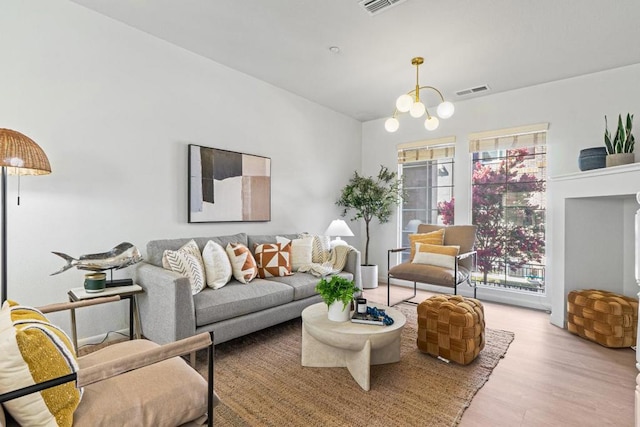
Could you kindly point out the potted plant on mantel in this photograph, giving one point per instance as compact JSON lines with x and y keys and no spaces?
{"x":371,"y":197}
{"x":620,"y":148}
{"x":337,"y":293}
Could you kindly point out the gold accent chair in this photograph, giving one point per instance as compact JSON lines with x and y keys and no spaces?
{"x":136,"y":382}
{"x":465,"y":263}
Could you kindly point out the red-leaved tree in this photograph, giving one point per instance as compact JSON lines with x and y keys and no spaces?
{"x":503,"y":209}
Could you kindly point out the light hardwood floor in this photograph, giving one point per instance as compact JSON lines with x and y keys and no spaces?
{"x":548,"y":377}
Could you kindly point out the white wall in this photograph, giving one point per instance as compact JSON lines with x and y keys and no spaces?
{"x":114,"y":109}
{"x":574,"y":108}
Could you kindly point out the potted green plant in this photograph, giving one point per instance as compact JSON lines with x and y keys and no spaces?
{"x":620,"y":148}
{"x":368,"y":198}
{"x":337,"y":293}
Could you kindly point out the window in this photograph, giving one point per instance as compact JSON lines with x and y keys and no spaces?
{"x":427,"y":170}
{"x":508,"y":205}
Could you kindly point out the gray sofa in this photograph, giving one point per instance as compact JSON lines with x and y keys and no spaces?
{"x":169,"y":312}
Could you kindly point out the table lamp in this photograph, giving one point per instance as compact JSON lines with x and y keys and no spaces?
{"x":337,"y":229}
{"x":19,"y":155}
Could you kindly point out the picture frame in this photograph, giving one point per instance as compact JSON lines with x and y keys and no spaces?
{"x":228,"y":186}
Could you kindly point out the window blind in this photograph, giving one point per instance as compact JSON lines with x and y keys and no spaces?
{"x":432,"y":149}
{"x":504,"y":139}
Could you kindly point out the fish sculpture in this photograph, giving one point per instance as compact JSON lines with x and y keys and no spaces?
{"x":123,"y":255}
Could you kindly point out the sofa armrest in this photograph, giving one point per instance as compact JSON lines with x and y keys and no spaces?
{"x":166,"y":307}
{"x":353,"y":266}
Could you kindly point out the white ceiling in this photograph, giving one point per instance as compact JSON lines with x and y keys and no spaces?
{"x":506,"y":44}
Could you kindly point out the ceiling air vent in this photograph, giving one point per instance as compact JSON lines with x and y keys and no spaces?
{"x":376,"y":6}
{"x":472,"y":90}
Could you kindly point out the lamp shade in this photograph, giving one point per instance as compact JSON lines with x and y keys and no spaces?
{"x":338,"y":228}
{"x":21,"y":155}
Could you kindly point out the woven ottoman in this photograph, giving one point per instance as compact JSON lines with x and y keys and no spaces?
{"x":604,"y":317}
{"x":451,"y":327}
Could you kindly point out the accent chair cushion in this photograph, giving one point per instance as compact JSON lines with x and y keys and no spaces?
{"x":33,"y":351}
{"x":243,"y":264}
{"x":187,"y":261}
{"x":301,"y":250}
{"x":438,"y":255}
{"x":432,"y":238}
{"x":217,"y":266}
{"x":273,"y":260}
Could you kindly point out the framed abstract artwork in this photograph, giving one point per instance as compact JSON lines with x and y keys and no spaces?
{"x":226,"y":186}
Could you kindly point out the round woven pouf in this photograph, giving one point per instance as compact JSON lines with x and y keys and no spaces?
{"x":451,"y":327}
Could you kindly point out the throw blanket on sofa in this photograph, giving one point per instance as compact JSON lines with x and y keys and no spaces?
{"x":335,"y":264}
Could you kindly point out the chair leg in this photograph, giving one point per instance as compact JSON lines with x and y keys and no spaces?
{"x":192,"y":359}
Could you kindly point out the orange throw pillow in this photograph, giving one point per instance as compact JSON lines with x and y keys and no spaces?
{"x":433,"y":238}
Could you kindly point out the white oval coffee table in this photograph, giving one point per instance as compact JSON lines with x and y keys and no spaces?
{"x":356,"y":346}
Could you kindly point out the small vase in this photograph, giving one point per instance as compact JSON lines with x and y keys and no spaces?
{"x":620,"y":159}
{"x":337,"y":313}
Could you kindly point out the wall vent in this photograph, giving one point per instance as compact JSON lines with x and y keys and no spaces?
{"x":376,"y":6}
{"x":469,"y":91}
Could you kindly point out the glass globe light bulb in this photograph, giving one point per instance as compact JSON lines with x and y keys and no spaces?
{"x":417,"y":109}
{"x":391,"y":124}
{"x":445,"y":110}
{"x":432,"y":123}
{"x":404,"y":102}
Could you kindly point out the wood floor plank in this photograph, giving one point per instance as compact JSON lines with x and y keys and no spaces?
{"x":549,"y":377}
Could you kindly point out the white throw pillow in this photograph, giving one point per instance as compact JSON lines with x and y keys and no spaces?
{"x":187,"y":261}
{"x":301,"y":250}
{"x":243,"y":264}
{"x":438,"y":255}
{"x":217,"y":266}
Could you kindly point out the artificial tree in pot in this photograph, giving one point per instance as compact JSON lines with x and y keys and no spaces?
{"x":620,"y":147}
{"x":369,"y":198}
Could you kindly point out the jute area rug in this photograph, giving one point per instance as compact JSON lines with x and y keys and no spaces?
{"x":261,"y":382}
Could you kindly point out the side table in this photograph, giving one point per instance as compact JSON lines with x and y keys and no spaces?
{"x":124,"y":292}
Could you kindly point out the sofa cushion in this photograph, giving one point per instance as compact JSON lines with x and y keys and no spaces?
{"x":438,"y":255}
{"x":156,"y":248}
{"x":178,"y":393}
{"x":429,"y":274}
{"x":243,"y":265}
{"x":237,"y":299}
{"x":217,"y":266}
{"x":304,"y":284}
{"x":273,"y":259}
{"x":33,"y":351}
{"x":187,"y":261}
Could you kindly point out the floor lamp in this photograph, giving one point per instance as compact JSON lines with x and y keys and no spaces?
{"x":19,"y":155}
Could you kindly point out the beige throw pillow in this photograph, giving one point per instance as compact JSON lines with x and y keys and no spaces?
{"x":187,"y":261}
{"x":438,"y":255}
{"x":301,"y":250}
{"x":217,"y":266}
{"x":243,"y":264}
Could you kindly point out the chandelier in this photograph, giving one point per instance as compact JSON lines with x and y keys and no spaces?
{"x":410,"y":102}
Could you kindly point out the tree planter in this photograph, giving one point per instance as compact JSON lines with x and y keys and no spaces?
{"x":620,"y":159}
{"x":369,"y":274}
{"x":338,"y":312}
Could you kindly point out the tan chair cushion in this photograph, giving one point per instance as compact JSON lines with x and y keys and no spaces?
{"x":168,"y":393}
{"x":427,"y":274}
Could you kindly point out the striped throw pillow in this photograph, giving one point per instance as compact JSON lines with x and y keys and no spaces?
{"x":433,"y":238}
{"x":187,"y":261}
{"x":438,"y":255}
{"x":33,"y":351}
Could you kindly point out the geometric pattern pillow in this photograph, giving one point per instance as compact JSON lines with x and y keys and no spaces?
{"x":216,"y":265}
{"x":33,"y":350}
{"x":187,"y":261}
{"x":433,"y":238}
{"x":301,"y":250}
{"x":243,"y":264}
{"x":273,"y":259}
{"x":438,"y":255}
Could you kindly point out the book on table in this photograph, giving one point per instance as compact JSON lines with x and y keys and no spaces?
{"x":368,"y":319}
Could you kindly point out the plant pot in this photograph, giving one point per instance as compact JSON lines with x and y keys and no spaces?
{"x":592,"y":158}
{"x":620,"y":159}
{"x":369,"y":275}
{"x":337,"y":313}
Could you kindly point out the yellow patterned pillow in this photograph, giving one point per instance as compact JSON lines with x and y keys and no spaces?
{"x":33,"y":350}
{"x":438,"y":255}
{"x":433,"y":238}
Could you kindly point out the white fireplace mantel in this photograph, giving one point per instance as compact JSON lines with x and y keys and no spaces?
{"x":590,"y":233}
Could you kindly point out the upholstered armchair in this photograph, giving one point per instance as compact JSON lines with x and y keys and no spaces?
{"x":129,"y":383}
{"x":439,"y":255}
